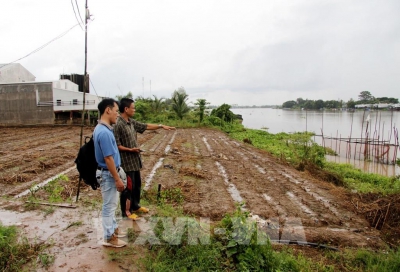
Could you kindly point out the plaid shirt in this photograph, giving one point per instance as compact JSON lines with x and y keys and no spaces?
{"x":125,"y":135}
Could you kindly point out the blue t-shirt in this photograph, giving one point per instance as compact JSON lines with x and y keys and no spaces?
{"x":105,"y":145}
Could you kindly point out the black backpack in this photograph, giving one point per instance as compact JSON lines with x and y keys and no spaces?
{"x":86,"y":163}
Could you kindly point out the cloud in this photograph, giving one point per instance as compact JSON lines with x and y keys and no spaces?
{"x":245,"y":52}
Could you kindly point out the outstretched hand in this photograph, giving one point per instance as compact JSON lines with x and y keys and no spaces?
{"x":168,"y":128}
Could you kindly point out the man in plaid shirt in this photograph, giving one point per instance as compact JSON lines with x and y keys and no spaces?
{"x":125,"y":135}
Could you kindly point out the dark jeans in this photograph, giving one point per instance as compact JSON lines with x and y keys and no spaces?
{"x":136,"y":188}
{"x":126,"y":194}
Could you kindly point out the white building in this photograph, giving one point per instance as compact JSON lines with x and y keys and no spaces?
{"x":26,"y":101}
{"x":15,"y":72}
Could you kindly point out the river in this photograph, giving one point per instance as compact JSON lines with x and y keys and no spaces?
{"x":334,"y":124}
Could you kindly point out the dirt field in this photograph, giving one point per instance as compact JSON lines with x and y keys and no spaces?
{"x":213,"y":172}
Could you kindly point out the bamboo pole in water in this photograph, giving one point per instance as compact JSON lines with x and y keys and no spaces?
{"x":366,"y":142}
{"x":336,"y":141}
{"x":374,"y":137}
{"x":382,"y":145}
{"x":390,"y":135}
{"x":397,"y":143}
{"x":362,"y":128}
{"x":379,"y":134}
{"x":348,"y":147}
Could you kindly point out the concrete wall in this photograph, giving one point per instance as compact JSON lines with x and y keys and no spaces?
{"x":14,"y":73}
{"x":18,"y":103}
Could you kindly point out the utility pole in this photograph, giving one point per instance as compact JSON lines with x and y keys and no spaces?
{"x":85,"y":84}
{"x":85,"y":81}
{"x":150,"y":88}
{"x":143,"y":86}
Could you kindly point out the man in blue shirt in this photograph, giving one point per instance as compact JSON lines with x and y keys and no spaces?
{"x":109,"y":161}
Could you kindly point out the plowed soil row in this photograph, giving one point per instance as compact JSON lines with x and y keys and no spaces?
{"x":213,"y":172}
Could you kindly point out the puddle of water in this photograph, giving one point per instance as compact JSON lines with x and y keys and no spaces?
{"x":152,"y":173}
{"x":155,"y":146}
{"x":301,"y":205}
{"x":196,"y":148}
{"x":259,"y":168}
{"x":271,"y":179}
{"x":270,"y":200}
{"x":172,"y":138}
{"x":35,"y":225}
{"x":325,"y":202}
{"x":242,"y":155}
{"x":292,"y":179}
{"x":267,"y":197}
{"x":207,"y":145}
{"x":233,"y":191}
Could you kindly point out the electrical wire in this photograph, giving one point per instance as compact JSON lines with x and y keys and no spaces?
{"x":73,"y":8}
{"x":43,"y":46}
{"x":76,"y":2}
{"x":91,"y":83}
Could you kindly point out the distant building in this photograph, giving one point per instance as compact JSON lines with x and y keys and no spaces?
{"x":377,"y":106}
{"x":44,"y":102}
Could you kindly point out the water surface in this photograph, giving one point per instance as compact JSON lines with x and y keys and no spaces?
{"x":335,"y":124}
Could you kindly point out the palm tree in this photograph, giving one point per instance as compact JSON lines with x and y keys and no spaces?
{"x":202,"y":106}
{"x":128,"y":95}
{"x":158,"y":104}
{"x":179,"y":105}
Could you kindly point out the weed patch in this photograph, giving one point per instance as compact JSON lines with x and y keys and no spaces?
{"x":364,"y":182}
{"x":15,"y":251}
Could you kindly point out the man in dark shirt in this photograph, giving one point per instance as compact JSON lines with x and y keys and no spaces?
{"x":125,"y":135}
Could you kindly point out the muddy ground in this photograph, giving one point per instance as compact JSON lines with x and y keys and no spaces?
{"x":213,"y":171}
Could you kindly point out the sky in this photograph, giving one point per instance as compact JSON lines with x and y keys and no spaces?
{"x":245,"y":52}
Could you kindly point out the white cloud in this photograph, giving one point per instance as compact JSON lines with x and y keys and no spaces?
{"x":238,"y":52}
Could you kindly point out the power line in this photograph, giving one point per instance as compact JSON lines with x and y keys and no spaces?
{"x":73,"y":8}
{"x":79,"y":12}
{"x":41,"y":47}
{"x":91,"y":83}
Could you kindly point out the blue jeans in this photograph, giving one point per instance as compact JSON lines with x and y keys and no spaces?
{"x":110,"y":202}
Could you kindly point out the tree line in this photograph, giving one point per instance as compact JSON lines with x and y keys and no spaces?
{"x":177,"y":110}
{"x":365,"y":97}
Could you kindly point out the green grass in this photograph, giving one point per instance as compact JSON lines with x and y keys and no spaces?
{"x":16,"y":251}
{"x":295,"y":148}
{"x":364,"y":182}
{"x":366,"y":260}
{"x":54,"y":189}
{"x":238,"y":249}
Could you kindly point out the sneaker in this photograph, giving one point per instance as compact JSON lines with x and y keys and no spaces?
{"x":114,"y":242}
{"x":120,"y":233}
{"x":143,"y":210}
{"x":133,"y":216}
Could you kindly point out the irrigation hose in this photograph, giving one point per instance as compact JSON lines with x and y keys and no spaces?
{"x":302,"y":243}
